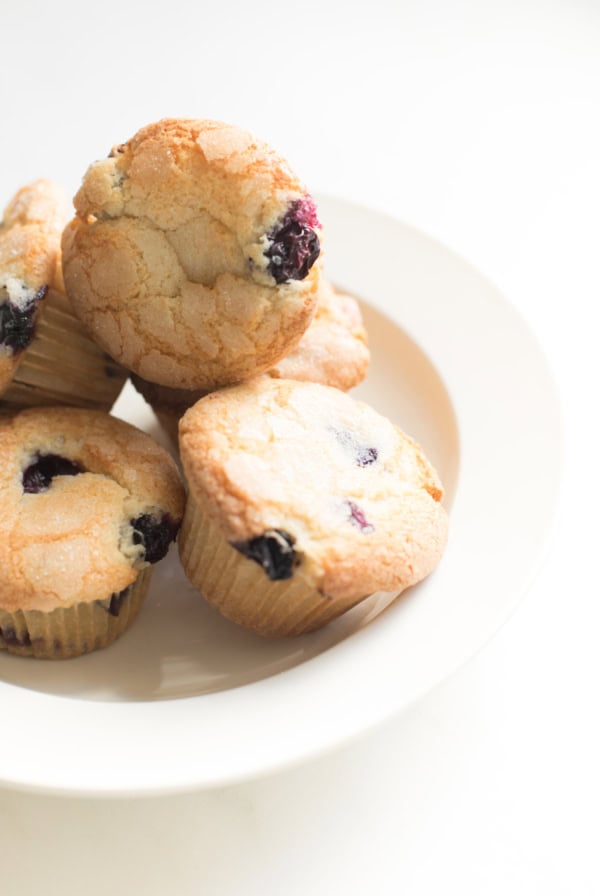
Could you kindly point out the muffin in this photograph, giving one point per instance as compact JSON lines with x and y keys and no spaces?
{"x":333,"y":351}
{"x":87,"y":504}
{"x":302,"y":502}
{"x":46,"y":355}
{"x":193,"y":255}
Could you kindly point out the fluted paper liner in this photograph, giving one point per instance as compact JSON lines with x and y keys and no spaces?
{"x":169,"y":405}
{"x":69,"y":632}
{"x":169,"y":420}
{"x":241,"y":591}
{"x":63,"y":365}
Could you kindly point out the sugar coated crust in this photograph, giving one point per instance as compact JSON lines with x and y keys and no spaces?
{"x":169,"y":258}
{"x":357,"y":498}
{"x":73,"y":540}
{"x":334,"y":349}
{"x":30,"y":235}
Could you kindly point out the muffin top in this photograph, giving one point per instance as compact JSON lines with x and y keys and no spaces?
{"x":309,"y":482}
{"x":86,"y":501}
{"x":333,"y":351}
{"x":192,"y":255}
{"x":29,"y":259}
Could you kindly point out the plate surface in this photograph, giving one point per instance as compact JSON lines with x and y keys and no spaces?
{"x":185,"y":699}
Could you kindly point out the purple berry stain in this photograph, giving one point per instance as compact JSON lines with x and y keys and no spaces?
{"x":17,"y":324}
{"x":357,"y":518}
{"x":11,"y":639}
{"x":293,"y":244}
{"x":273,"y":550}
{"x":39,"y":474}
{"x":364,"y":455}
{"x":155,"y":534}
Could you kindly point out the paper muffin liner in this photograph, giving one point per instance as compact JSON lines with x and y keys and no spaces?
{"x":169,"y":420}
{"x":239,"y":588}
{"x":69,"y":632}
{"x":169,"y":405}
{"x":63,"y":365}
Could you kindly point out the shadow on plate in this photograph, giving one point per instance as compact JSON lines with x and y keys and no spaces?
{"x":179,"y":646}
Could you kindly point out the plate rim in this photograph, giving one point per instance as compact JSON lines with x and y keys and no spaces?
{"x":376,"y":711}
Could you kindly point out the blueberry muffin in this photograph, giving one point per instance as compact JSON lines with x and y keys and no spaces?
{"x":46,"y":355}
{"x":87,"y":504}
{"x":193,"y":255}
{"x":333,"y":351}
{"x":302,"y":502}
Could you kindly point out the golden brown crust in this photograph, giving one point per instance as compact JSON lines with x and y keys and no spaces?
{"x":73,"y":541}
{"x":165,"y":260}
{"x":358,"y":497}
{"x":42,"y":202}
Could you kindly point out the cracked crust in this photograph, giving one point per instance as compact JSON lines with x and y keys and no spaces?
{"x":165,"y":260}
{"x":333,"y":351}
{"x":73,"y":542}
{"x":358,"y":497}
{"x":29,"y":253}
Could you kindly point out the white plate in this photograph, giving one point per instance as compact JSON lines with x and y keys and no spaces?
{"x":187,"y":700}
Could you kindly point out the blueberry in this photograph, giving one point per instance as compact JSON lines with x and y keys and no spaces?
{"x":366,"y":456}
{"x":17,"y":324}
{"x":357,"y":518}
{"x":155,"y":533}
{"x":11,"y":639}
{"x":363,"y":454}
{"x":293,"y":244}
{"x":38,"y":475}
{"x":273,"y":550}
{"x":116,"y":601}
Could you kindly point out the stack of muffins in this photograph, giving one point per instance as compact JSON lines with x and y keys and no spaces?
{"x":193,"y":265}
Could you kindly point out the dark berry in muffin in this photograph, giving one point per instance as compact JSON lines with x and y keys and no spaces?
{"x":17,"y":322}
{"x":273,"y":550}
{"x":155,"y":534}
{"x":39,"y":474}
{"x":294,"y":245}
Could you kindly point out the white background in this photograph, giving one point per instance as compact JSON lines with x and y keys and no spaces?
{"x":479,"y":123}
